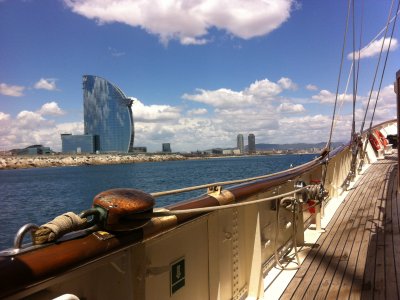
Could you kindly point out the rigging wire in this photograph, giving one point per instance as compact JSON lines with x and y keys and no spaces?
{"x":328,"y":144}
{"x":380,"y":86}
{"x":377,"y":66}
{"x":353,"y":125}
{"x":384,"y":68}
{"x":359,"y":51}
{"x":359,"y":56}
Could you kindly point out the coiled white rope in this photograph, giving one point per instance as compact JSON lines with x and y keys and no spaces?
{"x":58,"y":227}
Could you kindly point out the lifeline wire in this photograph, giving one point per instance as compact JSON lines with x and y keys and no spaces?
{"x":166,"y":212}
{"x":198,"y":187}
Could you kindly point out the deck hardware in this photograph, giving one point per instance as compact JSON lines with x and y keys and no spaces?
{"x":288,"y":225}
{"x":95,"y":215}
{"x":266,"y":243}
{"x":67,"y":297}
{"x":227,"y":235}
{"x":103,"y":235}
{"x":123,"y":209}
{"x":303,"y":195}
{"x":214,"y":190}
{"x":21,"y":233}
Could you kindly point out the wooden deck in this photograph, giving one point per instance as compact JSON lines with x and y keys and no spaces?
{"x":358,"y":257}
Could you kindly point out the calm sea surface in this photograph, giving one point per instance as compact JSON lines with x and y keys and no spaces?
{"x":39,"y":195}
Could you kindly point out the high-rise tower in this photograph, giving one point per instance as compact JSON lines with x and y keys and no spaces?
{"x":107,"y":115}
{"x":252,"y":143}
{"x":240,"y":143}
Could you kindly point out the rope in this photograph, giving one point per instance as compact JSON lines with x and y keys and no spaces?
{"x":384,"y":66}
{"x":56,"y":228}
{"x":167,"y":212}
{"x":222,"y":183}
{"x":377,"y":67}
{"x":380,"y":84}
{"x":294,"y":241}
{"x":353,"y":125}
{"x":328,"y":144}
{"x":69,"y":221}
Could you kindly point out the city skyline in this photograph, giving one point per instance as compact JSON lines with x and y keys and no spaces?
{"x":200,"y":72}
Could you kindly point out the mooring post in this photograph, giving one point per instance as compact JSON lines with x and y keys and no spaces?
{"x":397,"y":91}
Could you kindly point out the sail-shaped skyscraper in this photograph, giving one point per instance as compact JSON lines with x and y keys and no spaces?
{"x":107,"y":115}
{"x":108,"y":119}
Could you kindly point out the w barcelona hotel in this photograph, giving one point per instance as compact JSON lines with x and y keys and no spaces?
{"x":108,"y":120}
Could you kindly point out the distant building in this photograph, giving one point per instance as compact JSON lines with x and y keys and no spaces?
{"x":240,"y":143}
{"x":166,"y":148}
{"x":32,"y":150}
{"x":139,"y":149}
{"x":251,"y":143}
{"x":108,"y":119}
{"x":216,"y":151}
{"x":237,"y":151}
{"x":84,"y":143}
{"x":227,"y":152}
{"x":108,"y":115}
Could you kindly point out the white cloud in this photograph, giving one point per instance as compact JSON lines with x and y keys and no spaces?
{"x":290,"y":108}
{"x":219,"y":98}
{"x":46,"y":84}
{"x":4,"y":116}
{"x":29,"y":119}
{"x":326,"y":96}
{"x":287,"y":84}
{"x":11,"y":90}
{"x":34,"y":127}
{"x":197,"y":112}
{"x":114,"y":52}
{"x":386,"y":107}
{"x":258,"y":92}
{"x":189,"y":21}
{"x":311,"y":87}
{"x":50,"y":108}
{"x":193,"y":41}
{"x":374,"y":48}
{"x":154,"y":113}
{"x":264,"y":89}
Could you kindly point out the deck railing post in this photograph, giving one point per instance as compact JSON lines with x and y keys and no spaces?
{"x":397,"y":91}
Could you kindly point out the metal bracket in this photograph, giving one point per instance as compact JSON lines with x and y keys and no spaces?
{"x":214,"y":190}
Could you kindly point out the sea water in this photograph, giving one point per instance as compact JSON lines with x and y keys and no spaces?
{"x":38,"y":195}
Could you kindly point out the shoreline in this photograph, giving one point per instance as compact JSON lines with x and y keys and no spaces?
{"x":65,"y":160}
{"x":46,"y":161}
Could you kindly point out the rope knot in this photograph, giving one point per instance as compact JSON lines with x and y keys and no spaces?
{"x":56,"y":228}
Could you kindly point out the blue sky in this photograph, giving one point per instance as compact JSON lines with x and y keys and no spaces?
{"x":202,"y":71}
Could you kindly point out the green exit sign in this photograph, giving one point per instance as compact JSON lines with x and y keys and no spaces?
{"x":177,"y":275}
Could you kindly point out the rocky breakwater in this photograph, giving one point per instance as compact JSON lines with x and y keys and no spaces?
{"x":22,"y":162}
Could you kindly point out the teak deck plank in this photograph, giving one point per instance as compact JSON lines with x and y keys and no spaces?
{"x":358,"y":256}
